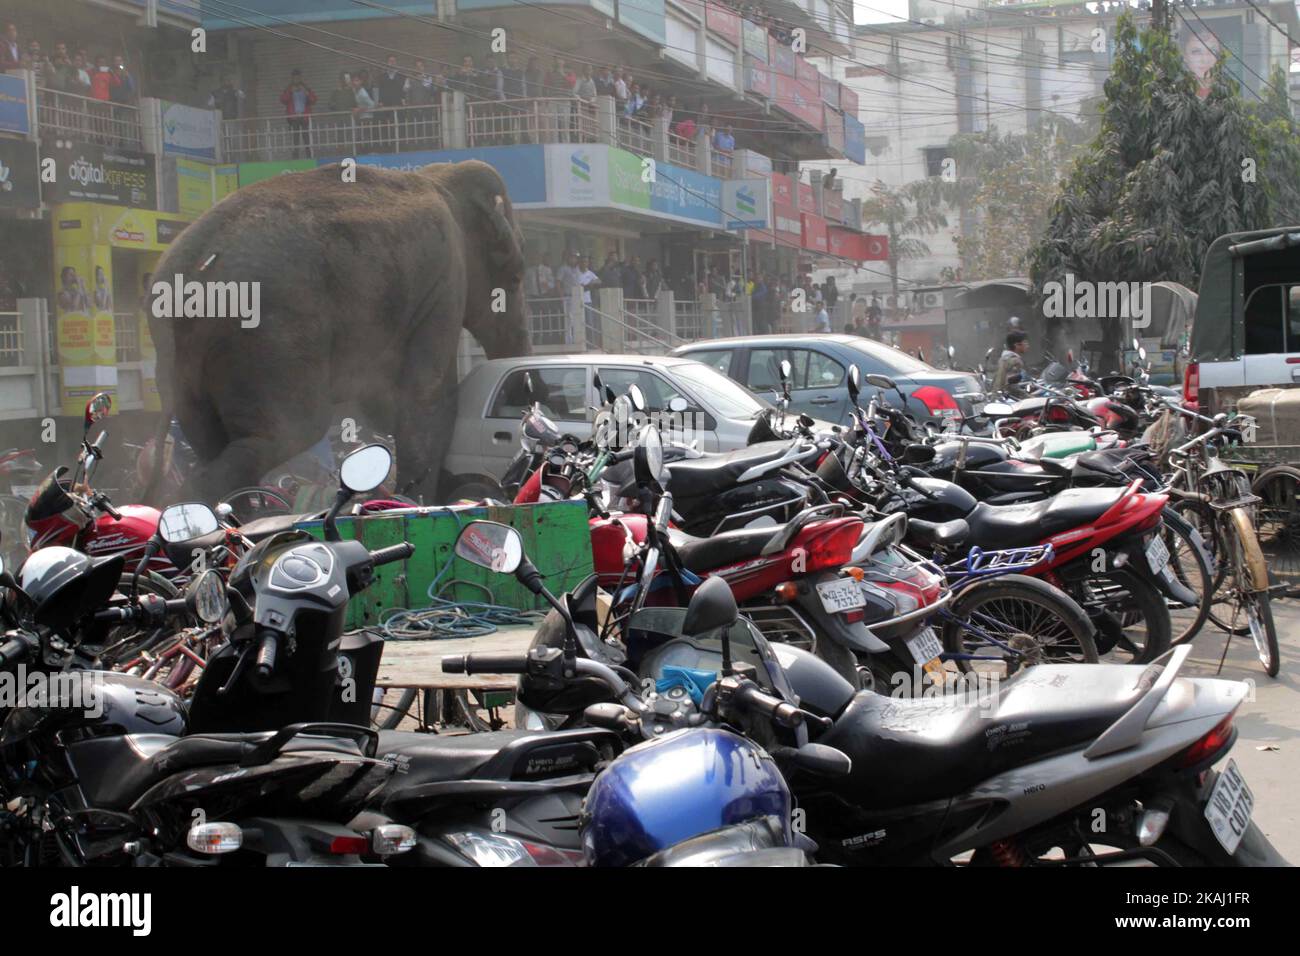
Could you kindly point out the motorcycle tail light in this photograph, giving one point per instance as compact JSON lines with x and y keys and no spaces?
{"x":1058,"y":415}
{"x":787,"y":590}
{"x":214,"y":838}
{"x":832,"y":548}
{"x":496,"y":849}
{"x":348,"y":845}
{"x":937,"y":401}
{"x":1192,"y":385}
{"x":1208,"y":746}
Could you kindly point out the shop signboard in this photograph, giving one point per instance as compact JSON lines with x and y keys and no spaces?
{"x":85,"y":172}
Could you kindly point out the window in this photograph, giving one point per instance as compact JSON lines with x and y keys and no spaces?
{"x":1265,"y":322}
{"x":561,"y":391}
{"x":718,"y":359}
{"x":657,"y":391}
{"x":934,"y":157}
{"x":808,"y":369}
{"x":725,"y":396}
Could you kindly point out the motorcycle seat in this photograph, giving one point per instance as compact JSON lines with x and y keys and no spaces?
{"x":719,"y":550}
{"x":115,"y":771}
{"x":911,"y":750}
{"x":693,"y":477}
{"x":182,"y":555}
{"x":1014,"y":526}
{"x":261,"y":528}
{"x":502,"y":755}
{"x":1027,"y":406}
{"x":937,"y":534}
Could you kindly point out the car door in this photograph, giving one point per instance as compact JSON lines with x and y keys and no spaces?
{"x":562,"y":393}
{"x":817,"y":380}
{"x":697,"y":423}
{"x":1272,"y":335}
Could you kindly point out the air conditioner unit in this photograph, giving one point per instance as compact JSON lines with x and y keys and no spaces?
{"x":932,"y":300}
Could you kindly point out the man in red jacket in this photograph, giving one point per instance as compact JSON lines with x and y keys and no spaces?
{"x":103,"y":80}
{"x":298,"y":99}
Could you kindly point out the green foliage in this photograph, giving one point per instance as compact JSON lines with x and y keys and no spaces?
{"x":1167,"y":172}
{"x":908,"y":214}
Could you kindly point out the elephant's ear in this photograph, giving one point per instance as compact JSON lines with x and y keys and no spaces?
{"x":507,"y":254}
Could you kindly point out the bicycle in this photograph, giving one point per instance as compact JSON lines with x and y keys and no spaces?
{"x":1217,"y":499}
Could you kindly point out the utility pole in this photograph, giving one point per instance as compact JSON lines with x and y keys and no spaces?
{"x":1160,"y":15}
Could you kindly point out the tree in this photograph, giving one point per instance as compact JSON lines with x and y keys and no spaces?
{"x":1005,"y":185}
{"x":907,"y":213}
{"x":1163,"y":178}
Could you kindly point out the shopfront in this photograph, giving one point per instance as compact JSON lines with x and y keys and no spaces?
{"x":103,"y":261}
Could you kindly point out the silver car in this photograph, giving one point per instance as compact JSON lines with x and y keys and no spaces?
{"x":711,"y":409}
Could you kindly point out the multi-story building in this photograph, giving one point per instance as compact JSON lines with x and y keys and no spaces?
{"x":710,"y":200}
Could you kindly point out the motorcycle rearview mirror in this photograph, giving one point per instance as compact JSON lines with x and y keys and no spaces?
{"x":880,"y":381}
{"x":206,"y":597}
{"x":528,"y":386}
{"x":785,"y":370}
{"x":366,"y":468}
{"x":713,"y":608}
{"x":678,"y":404}
{"x":185,"y":522}
{"x":97,"y":408}
{"x":1142,"y":354}
{"x":363,"y":470}
{"x":648,"y":456}
{"x":920,"y":355}
{"x":997,"y":410}
{"x":637,"y":397}
{"x":491,"y":545}
{"x":855,"y":383}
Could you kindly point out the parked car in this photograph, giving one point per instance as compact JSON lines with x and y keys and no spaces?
{"x":820,"y":365}
{"x":717,"y":412}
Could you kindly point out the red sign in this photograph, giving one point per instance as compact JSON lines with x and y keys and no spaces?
{"x":848,"y":101}
{"x":723,"y":22}
{"x":780,"y":57}
{"x":786,"y":227}
{"x":814,"y":233}
{"x":857,"y":247}
{"x":782,"y":190}
{"x":796,"y":99}
{"x":805,"y":71}
{"x":807,"y":200}
{"x":830,"y":90}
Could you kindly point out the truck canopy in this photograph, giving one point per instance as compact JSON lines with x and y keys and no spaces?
{"x":1235,"y":265}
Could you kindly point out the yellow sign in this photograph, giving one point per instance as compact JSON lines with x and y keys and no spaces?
{"x":92,"y":224}
{"x":85,"y":333}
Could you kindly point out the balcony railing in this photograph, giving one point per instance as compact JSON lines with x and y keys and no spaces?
{"x":635,"y":135}
{"x":547,"y":321}
{"x":681,"y":151}
{"x":536,"y":120}
{"x":11,"y":339}
{"x":87,"y":119}
{"x":396,"y":130}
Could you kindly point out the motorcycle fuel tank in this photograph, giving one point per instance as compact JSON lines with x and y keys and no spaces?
{"x":130,"y":534}
{"x":676,"y":787}
{"x":102,"y":700}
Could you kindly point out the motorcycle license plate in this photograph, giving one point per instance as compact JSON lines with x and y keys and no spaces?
{"x":1229,"y":808}
{"x":925,"y":647}
{"x":1157,"y":555}
{"x":840,"y":596}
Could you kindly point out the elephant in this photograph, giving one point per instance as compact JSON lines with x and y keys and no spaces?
{"x":363,"y":288}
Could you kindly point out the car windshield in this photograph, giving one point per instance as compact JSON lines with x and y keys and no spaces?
{"x":898,"y":361}
{"x":727,"y":398}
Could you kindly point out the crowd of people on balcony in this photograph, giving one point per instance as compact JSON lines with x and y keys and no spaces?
{"x":103,"y":76}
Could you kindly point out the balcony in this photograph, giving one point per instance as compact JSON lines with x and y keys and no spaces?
{"x":534,"y":120}
{"x":60,"y":114}
{"x":399,"y":130}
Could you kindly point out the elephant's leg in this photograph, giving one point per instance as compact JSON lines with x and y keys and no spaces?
{"x":425,"y":422}
{"x":240,"y":464}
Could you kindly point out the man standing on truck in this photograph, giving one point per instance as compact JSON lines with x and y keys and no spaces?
{"x":1011,"y":366}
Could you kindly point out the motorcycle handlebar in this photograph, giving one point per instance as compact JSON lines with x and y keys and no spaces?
{"x":15,"y":649}
{"x":267,"y":648}
{"x":751,"y":697}
{"x":489,"y":662}
{"x":396,"y":552}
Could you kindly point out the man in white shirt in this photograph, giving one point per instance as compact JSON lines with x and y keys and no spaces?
{"x":587,"y":279}
{"x":539,"y":281}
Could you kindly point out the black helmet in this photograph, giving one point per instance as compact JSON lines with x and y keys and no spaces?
{"x":65,"y":584}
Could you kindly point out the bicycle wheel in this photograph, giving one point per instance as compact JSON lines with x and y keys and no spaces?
{"x":1189,"y":560}
{"x":1000,"y":625}
{"x":247,"y":504}
{"x":1252,"y":600}
{"x":390,"y":706}
{"x":1278,"y":521}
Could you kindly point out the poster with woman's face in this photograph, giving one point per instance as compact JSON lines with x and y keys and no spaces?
{"x":1202,"y":45}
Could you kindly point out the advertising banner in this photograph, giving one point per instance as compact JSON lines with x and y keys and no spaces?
{"x":814,"y":233}
{"x":745,"y":203}
{"x":20,"y":186}
{"x":848,"y":100}
{"x":755,"y":39}
{"x":225,"y":180}
{"x":189,"y":131}
{"x":13,"y":104}
{"x":805,"y":72}
{"x":782,"y":190}
{"x":86,"y":338}
{"x":833,"y":124}
{"x":522,"y":167}
{"x":786,"y":227}
{"x":686,"y":194}
{"x":577,"y":175}
{"x":757,"y":78}
{"x":90,"y":173}
{"x":250,"y":173}
{"x":723,"y":22}
{"x":794,"y":98}
{"x":855,"y":140}
{"x":194,"y":194}
{"x":833,"y":205}
{"x":830,"y":90}
{"x":780,"y":57}
{"x":807,"y":199}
